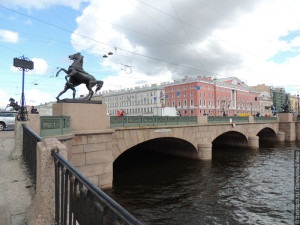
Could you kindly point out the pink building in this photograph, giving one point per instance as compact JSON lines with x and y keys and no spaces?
{"x":215,"y":97}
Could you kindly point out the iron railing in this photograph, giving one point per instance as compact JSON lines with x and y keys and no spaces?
{"x":139,"y":121}
{"x":264,"y":119}
{"x":30,"y":139}
{"x":54,"y":125}
{"x":78,"y":201}
{"x":228,"y":119}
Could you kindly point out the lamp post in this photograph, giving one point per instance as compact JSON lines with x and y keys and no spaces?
{"x":24,"y":64}
{"x":298,"y":103}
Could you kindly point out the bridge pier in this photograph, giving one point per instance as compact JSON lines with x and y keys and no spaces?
{"x":204,"y":151}
{"x":253,"y":142}
{"x":281,"y":136}
{"x":288,"y":126}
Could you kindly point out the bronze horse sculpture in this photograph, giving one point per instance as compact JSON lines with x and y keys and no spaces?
{"x":13,"y":104}
{"x":76,"y":76}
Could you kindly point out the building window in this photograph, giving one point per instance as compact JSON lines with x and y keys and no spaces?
{"x":192,"y":102}
{"x":184,"y":103}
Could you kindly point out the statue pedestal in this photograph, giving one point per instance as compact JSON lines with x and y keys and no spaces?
{"x":285,"y":117}
{"x":85,"y":115}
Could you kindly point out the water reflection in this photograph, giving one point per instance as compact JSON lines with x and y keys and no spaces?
{"x":238,"y":186}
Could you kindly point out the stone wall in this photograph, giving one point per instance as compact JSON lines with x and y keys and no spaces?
{"x":91,"y":154}
{"x":42,"y":208}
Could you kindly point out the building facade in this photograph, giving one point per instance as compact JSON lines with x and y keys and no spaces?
{"x":216,"y":97}
{"x":138,"y":101}
{"x":190,"y":97}
{"x":265,"y":97}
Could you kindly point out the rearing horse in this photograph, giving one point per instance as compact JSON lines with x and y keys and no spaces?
{"x":78,"y":76}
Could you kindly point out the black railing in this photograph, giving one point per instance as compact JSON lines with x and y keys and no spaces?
{"x":30,"y":140}
{"x":77,"y":200}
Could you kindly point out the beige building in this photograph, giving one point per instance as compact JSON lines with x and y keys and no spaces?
{"x":266,"y":99}
{"x":294,"y":102}
{"x":138,"y":101}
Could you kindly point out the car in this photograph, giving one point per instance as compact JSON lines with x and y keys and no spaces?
{"x":7,"y":119}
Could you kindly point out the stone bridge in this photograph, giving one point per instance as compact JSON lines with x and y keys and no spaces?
{"x":93,"y":147}
{"x":89,"y":143}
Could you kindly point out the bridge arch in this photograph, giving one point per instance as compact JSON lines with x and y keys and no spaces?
{"x":230,"y":139}
{"x":267,"y":134}
{"x":125,"y":139}
{"x":162,"y":145}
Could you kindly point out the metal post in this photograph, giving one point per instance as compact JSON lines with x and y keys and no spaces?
{"x":23,"y":113}
{"x":23,"y":64}
{"x":298,"y":104}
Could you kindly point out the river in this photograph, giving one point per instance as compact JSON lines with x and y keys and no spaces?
{"x":238,"y":186}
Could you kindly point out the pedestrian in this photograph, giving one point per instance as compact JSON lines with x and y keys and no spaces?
{"x":34,"y":110}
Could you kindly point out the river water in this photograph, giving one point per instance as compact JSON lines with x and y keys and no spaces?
{"x":238,"y":186}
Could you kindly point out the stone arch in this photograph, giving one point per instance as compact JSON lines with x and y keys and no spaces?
{"x":230,"y":139}
{"x":126,"y":139}
{"x":164,"y":145}
{"x":267,"y":134}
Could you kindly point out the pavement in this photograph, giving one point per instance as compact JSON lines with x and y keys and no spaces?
{"x":15,"y":187}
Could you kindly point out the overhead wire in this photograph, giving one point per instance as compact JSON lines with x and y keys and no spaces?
{"x":91,"y":39}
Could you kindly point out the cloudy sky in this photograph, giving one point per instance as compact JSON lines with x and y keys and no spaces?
{"x":152,"y":41}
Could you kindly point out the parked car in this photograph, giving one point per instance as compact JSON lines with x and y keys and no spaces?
{"x":7,"y":119}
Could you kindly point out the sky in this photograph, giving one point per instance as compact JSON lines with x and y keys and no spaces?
{"x":152,"y":41}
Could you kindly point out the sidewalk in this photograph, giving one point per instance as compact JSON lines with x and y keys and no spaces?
{"x":15,"y":187}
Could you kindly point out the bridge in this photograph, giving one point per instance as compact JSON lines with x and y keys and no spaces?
{"x":94,"y":143}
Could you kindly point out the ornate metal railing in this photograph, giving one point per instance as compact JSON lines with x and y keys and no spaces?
{"x":30,"y":139}
{"x":264,"y":119}
{"x":228,"y":119}
{"x":78,"y":201}
{"x":139,"y":121}
{"x":54,"y":125}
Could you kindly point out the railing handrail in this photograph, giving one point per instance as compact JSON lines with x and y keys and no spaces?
{"x":30,"y":140}
{"x":31,"y":132}
{"x":113,"y":205}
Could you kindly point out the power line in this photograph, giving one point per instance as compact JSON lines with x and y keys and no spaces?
{"x":96,"y":41}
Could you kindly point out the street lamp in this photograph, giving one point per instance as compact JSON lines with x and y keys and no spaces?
{"x":24,"y":64}
{"x":298,"y":103}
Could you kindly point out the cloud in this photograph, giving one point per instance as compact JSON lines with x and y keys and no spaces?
{"x":36,"y":97}
{"x":9,"y":36}
{"x":3,"y":99}
{"x":191,"y":37}
{"x":40,"y":66}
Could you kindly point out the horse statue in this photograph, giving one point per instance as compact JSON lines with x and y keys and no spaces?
{"x":76,"y":76}
{"x":286,"y":105}
{"x":13,"y":104}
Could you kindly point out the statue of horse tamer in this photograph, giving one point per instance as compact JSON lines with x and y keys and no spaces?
{"x":76,"y":76}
